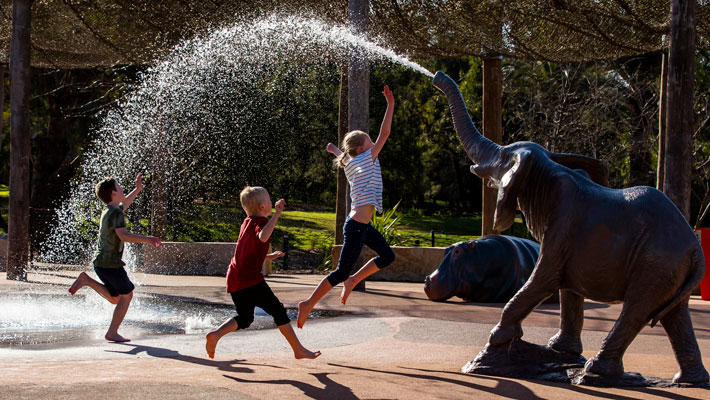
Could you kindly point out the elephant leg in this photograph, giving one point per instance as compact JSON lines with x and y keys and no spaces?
{"x":568,"y":338}
{"x":679,"y":328}
{"x":534,"y":292}
{"x":634,"y":316}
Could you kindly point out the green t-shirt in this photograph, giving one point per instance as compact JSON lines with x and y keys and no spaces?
{"x":109,"y":248}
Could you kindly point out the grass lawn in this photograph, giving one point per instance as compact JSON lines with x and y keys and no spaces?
{"x":309,"y":230}
{"x":306,"y":229}
{"x":447,"y":229}
{"x":313,"y":230}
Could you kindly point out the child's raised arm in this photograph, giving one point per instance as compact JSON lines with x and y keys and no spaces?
{"x":333,"y":149}
{"x":268,"y":229}
{"x":134,"y":193}
{"x":386,"y":123}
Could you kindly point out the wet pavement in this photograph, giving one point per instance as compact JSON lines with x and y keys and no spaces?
{"x":391,"y":343}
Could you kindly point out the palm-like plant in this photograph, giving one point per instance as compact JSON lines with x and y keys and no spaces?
{"x":387,"y":224}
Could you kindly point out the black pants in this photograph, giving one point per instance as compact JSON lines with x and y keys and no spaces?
{"x":259,"y":295}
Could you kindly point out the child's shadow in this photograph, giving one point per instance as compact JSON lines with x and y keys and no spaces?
{"x":332,"y":389}
{"x":159,"y":352}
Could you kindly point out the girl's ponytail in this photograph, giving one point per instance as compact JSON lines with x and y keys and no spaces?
{"x":340,"y":160}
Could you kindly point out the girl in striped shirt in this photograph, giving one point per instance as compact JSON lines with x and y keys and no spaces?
{"x":362,"y":168}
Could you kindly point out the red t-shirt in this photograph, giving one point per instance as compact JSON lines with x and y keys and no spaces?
{"x":249,"y":255}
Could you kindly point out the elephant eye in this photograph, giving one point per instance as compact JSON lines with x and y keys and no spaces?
{"x":457,"y":252}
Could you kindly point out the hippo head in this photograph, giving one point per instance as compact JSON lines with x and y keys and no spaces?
{"x":490,"y":269}
{"x":450,"y":278}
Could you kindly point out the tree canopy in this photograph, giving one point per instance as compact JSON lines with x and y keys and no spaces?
{"x":82,"y":33}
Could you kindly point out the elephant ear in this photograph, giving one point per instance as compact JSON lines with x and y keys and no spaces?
{"x":597,"y":171}
{"x":508,"y":188}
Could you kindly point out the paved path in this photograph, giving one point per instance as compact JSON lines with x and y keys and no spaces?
{"x":392,"y":344}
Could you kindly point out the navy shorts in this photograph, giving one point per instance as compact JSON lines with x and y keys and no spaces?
{"x":259,"y":295}
{"x":115,"y":279}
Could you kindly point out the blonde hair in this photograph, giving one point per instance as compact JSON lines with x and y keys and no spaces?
{"x":351,"y":142}
{"x":251,"y":197}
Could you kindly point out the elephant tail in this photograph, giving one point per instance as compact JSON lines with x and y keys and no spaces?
{"x":690,"y":284}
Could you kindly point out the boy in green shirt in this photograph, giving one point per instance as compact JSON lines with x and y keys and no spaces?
{"x":108,"y":265}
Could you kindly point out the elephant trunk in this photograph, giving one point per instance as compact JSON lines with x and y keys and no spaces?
{"x":479,"y":149}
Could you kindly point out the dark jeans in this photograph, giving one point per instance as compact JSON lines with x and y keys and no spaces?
{"x":357,"y":235}
{"x":259,"y":295}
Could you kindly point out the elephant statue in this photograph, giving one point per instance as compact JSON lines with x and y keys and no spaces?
{"x":628,"y":245}
{"x":486,"y":270}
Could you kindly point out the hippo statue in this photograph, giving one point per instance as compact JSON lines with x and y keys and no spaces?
{"x":486,"y":270}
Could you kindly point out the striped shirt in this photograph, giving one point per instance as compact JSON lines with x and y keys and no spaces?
{"x":365,"y":178}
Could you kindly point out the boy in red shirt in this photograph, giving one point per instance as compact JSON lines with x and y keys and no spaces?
{"x":246,"y":283}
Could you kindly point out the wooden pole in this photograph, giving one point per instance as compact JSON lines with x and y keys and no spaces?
{"x":680,"y":118}
{"x":492,"y":129}
{"x":19,"y":214}
{"x":359,"y":85}
{"x":342,"y":205}
{"x":662,"y":110}
{"x":3,"y":223}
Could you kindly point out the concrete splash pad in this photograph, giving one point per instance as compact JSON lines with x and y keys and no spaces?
{"x":395,"y":344}
{"x":58,"y":319}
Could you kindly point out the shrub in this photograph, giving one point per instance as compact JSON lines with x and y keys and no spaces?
{"x":387,"y":224}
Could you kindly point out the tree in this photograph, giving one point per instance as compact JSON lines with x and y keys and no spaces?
{"x":18,"y":227}
{"x":680,"y":116}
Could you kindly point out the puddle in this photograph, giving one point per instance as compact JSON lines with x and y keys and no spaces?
{"x":29,"y":319}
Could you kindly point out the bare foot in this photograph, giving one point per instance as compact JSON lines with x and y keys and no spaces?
{"x":211,"y":344}
{"x":78,"y":283}
{"x":347,"y":288}
{"x":116,"y":338}
{"x":303,"y":311}
{"x":306,"y":354}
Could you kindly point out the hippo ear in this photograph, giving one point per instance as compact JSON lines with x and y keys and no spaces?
{"x":597,"y":171}
{"x":508,"y":188}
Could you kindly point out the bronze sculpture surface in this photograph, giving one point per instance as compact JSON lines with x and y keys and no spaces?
{"x":610,"y":245}
{"x":490,"y":269}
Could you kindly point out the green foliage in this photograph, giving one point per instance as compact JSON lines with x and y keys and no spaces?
{"x":326,"y":252}
{"x":593,"y":109}
{"x":700,"y":188}
{"x":423,"y":162}
{"x":387,"y":224}
{"x":207,"y":222}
